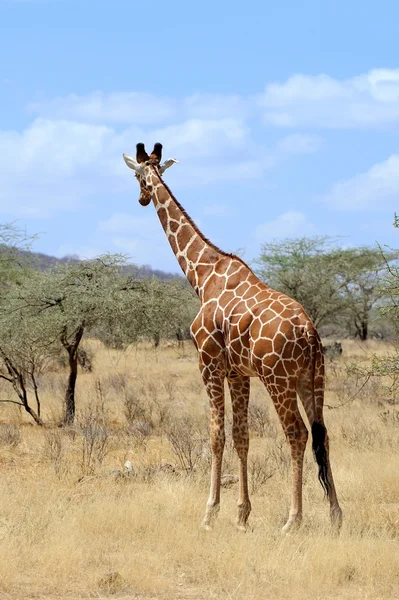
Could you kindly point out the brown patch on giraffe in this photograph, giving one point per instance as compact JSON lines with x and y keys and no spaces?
{"x":212,"y":308}
{"x":251,"y":303}
{"x":270,"y":322}
{"x":248,"y":293}
{"x":163,"y":215}
{"x":215,"y":286}
{"x":263,"y":346}
{"x":212,"y":346}
{"x":172,"y":242}
{"x":276,"y":306}
{"x":241,"y":288}
{"x":203,"y":271}
{"x":225,"y":298}
{"x":244,"y":323}
{"x":210,"y":256}
{"x":183,"y":263}
{"x":261,"y":296}
{"x":234,"y":266}
{"x":184,"y":232}
{"x":173,"y":226}
{"x":233,"y":281}
{"x":285,"y":326}
{"x":279,"y":342}
{"x":222,"y":265}
{"x":201,"y":336}
{"x":195,"y":250}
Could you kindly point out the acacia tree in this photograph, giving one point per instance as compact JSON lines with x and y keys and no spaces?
{"x":386,"y":366}
{"x":361,"y":270}
{"x":162,"y":310}
{"x":169,"y":309}
{"x":25,"y":351}
{"x":24,"y":348}
{"x":70,"y":299}
{"x":333,"y":284}
{"x":305,"y":269}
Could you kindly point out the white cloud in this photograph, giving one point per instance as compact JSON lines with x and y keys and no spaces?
{"x":289,"y":224}
{"x":204,"y":137}
{"x":299,"y":144}
{"x":377,"y":188}
{"x":217,"y":106}
{"x":59,"y":164}
{"x":52,"y":164}
{"x":117,"y":107}
{"x":142,"y":108}
{"x":73,"y":150}
{"x":365,"y":101}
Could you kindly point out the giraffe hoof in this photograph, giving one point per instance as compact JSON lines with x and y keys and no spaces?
{"x":242,"y":527}
{"x":336,"y":521}
{"x":205,"y":526}
{"x":291,"y":526}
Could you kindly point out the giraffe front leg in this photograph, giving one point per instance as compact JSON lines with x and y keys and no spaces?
{"x":214,"y":383}
{"x":239,"y":391}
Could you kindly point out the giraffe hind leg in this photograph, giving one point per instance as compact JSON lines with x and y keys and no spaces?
{"x":284,"y":398}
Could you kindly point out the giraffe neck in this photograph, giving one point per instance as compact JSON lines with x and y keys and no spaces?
{"x":195,"y":254}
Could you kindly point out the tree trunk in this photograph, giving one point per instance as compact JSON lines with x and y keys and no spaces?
{"x":71,"y":347}
{"x":33,"y":414}
{"x":17,"y":380}
{"x":157,"y":339}
{"x":364,"y":330}
{"x":69,"y":416}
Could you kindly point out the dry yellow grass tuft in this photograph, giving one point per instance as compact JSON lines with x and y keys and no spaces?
{"x":74,"y":522}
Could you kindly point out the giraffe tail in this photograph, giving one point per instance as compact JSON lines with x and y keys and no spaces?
{"x":319,"y":432}
{"x":320,"y":453}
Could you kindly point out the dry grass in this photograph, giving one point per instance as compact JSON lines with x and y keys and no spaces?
{"x":70,"y":527}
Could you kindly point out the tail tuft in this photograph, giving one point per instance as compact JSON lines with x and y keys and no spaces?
{"x":320,"y":453}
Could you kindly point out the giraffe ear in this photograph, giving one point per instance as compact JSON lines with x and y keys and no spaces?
{"x":168,"y":163}
{"x":133,"y":164}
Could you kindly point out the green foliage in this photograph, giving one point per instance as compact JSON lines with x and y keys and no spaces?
{"x":25,"y":350}
{"x":161,"y":309}
{"x":361,"y":272}
{"x":169,"y":307}
{"x":12,"y":241}
{"x":306,"y":270}
{"x":334,"y":285}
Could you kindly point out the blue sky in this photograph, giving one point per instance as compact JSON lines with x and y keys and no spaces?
{"x":284,"y":118}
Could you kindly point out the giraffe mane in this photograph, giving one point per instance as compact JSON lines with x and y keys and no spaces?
{"x":190,"y":220}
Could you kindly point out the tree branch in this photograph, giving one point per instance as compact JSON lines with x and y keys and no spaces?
{"x":12,"y":402}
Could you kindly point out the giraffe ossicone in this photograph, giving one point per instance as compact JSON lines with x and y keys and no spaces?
{"x":245,"y":329}
{"x":139,"y":167}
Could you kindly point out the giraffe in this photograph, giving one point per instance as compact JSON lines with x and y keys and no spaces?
{"x":245,"y":329}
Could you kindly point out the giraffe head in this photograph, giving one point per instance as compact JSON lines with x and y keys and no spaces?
{"x":145,"y":166}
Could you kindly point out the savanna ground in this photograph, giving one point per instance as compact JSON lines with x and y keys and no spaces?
{"x":72,"y":526}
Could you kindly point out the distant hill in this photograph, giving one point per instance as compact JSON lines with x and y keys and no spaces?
{"x":44,"y":261}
